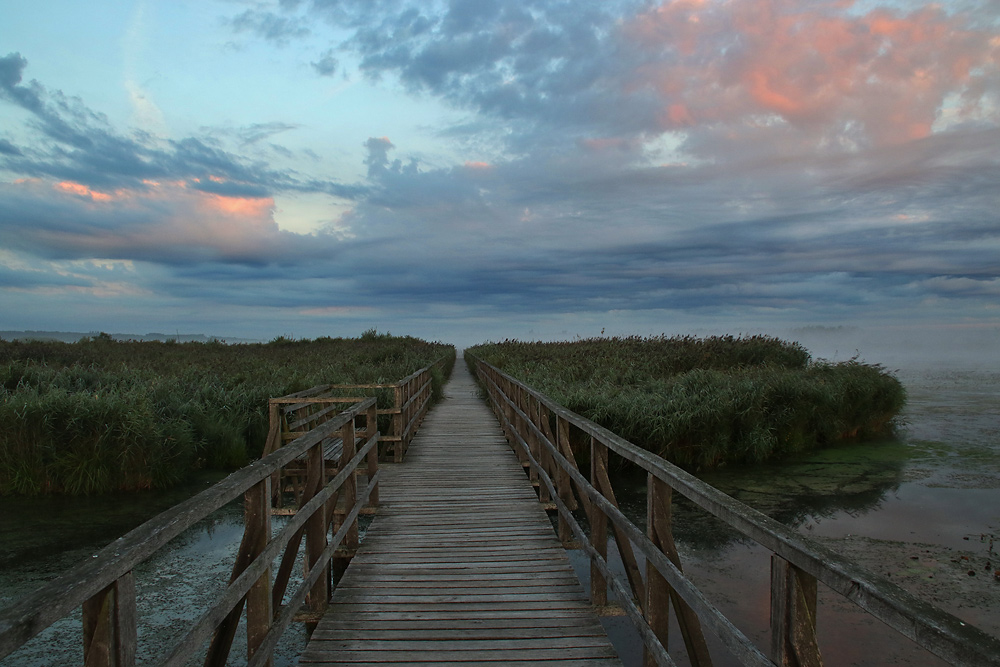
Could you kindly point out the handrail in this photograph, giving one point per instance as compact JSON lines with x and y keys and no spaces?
{"x":105,"y":588}
{"x":540,"y":429}
{"x":411,"y":400}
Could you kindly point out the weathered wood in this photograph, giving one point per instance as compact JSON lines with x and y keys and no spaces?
{"x":793,"y":616}
{"x":109,"y":625}
{"x":371,"y":432}
{"x":256,"y":535}
{"x":257,"y":517}
{"x":656,"y":607}
{"x":937,"y":631}
{"x":598,"y":528}
{"x":316,"y":528}
{"x":562,"y":479}
{"x":621,"y":538}
{"x":659,"y":528}
{"x":460,"y":561}
{"x":32,"y":614}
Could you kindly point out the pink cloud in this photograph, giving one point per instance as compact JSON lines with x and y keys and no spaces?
{"x":83,"y":191}
{"x":882,"y":76}
{"x":162,"y":219}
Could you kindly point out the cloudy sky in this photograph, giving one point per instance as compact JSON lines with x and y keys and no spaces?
{"x":472,"y":170}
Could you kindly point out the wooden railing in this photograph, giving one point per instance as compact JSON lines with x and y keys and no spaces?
{"x":104,"y":586}
{"x":293,"y":414}
{"x":541,"y":431}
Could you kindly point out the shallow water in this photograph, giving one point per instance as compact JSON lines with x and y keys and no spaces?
{"x":43,"y":537}
{"x":922,"y":510}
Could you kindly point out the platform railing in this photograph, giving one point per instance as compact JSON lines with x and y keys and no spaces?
{"x":541,"y":431}
{"x":411,"y":398}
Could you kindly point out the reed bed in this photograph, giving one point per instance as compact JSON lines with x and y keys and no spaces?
{"x":102,"y":415}
{"x":706,"y":402}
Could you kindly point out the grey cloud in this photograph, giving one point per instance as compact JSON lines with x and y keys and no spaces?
{"x":80,"y":145}
{"x":260,"y":131}
{"x":272,"y":27}
{"x":378,"y":156}
{"x":327,"y":65}
{"x":8,"y":148}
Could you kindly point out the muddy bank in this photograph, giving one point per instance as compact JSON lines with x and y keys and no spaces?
{"x":963,"y":582}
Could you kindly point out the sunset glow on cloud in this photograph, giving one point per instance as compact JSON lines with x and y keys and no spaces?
{"x":488,"y":169}
{"x":878,"y":78}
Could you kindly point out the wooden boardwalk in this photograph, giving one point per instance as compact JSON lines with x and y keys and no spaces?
{"x":461,"y":564}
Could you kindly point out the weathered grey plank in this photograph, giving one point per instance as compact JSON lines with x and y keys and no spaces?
{"x":461,"y":565}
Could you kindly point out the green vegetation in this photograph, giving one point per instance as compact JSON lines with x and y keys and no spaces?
{"x":702,"y":403}
{"x":101,"y":415}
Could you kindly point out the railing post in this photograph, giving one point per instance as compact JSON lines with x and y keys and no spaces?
{"x":532,"y":436}
{"x":109,"y":625}
{"x":398,"y":424}
{"x":258,"y":524}
{"x":793,"y":616}
{"x":543,"y":453}
{"x":658,"y":520}
{"x":274,"y":423}
{"x":256,"y":533}
{"x":316,"y":527}
{"x":562,"y":480}
{"x":370,"y":431}
{"x":518,"y":425}
{"x":598,"y":526}
{"x":350,"y":492}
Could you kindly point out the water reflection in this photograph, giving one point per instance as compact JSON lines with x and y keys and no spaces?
{"x":852,"y":480}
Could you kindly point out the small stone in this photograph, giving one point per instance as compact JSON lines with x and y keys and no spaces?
{"x":972,"y":573}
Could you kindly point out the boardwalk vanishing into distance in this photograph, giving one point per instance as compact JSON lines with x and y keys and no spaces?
{"x":461,"y":563}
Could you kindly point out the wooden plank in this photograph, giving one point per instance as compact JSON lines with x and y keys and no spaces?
{"x":461,"y":564}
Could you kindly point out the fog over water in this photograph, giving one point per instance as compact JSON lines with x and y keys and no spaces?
{"x":910,"y":348}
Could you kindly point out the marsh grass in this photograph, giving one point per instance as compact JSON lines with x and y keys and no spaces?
{"x":706,"y":402}
{"x":101,"y":415}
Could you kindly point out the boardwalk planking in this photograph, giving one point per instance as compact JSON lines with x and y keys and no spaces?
{"x":461,"y":565}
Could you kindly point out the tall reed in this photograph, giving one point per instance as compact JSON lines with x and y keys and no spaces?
{"x":103,"y":415}
{"x":707,"y":402}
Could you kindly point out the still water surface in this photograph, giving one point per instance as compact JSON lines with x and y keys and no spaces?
{"x":922,"y":510}
{"x":926,"y":505}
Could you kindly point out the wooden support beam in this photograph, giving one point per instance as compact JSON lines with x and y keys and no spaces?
{"x":316,"y":528}
{"x":793,"y":616}
{"x":598,"y":528}
{"x":109,"y":625}
{"x":258,"y":524}
{"x":621,"y":538}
